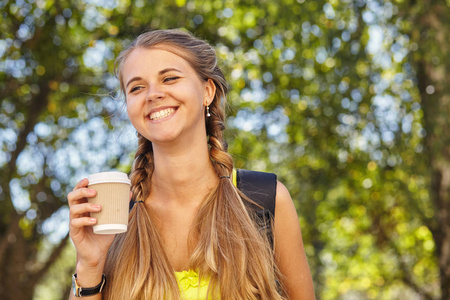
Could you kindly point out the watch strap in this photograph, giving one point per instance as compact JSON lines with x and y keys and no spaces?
{"x":88,"y":291}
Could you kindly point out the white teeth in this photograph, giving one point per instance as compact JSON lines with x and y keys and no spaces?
{"x":162,"y":114}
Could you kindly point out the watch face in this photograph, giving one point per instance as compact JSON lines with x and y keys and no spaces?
{"x":74,"y":286}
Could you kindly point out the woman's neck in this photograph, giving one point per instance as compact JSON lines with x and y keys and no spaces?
{"x":185,"y":175}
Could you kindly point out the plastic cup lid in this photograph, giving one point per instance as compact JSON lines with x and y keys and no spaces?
{"x":110,"y":228}
{"x":104,"y":177}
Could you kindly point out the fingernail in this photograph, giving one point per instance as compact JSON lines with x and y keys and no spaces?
{"x":96,"y":206}
{"x":93,"y":220}
{"x":91,"y":191}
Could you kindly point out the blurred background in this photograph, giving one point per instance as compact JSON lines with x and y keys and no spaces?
{"x":347,"y":101}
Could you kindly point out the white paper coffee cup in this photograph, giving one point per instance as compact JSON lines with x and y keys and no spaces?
{"x":113,"y":194}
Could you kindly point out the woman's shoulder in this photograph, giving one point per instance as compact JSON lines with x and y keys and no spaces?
{"x":283,"y":197}
{"x":285,"y":208}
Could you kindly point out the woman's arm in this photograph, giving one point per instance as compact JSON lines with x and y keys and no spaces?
{"x":91,"y":248}
{"x":289,"y":250}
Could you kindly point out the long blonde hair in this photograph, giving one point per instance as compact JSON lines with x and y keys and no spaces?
{"x":229,"y":249}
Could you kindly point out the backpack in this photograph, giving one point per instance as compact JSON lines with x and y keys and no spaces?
{"x":261,"y":188}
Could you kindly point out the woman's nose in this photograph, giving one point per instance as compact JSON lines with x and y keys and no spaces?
{"x":155,"y":93}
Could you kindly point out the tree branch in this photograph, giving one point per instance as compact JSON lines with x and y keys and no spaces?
{"x":13,"y":229}
{"x":37,"y":105}
{"x":413,"y":204}
{"x":406,"y":278}
{"x":405,"y":273}
{"x":36,"y":275}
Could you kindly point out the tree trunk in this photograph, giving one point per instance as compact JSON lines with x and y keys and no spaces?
{"x":432,"y":66}
{"x":437,"y":143}
{"x":14,"y":276}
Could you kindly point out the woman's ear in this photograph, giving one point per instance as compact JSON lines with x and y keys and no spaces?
{"x":210,"y":91}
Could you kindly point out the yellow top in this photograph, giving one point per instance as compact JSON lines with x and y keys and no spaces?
{"x":191,"y":288}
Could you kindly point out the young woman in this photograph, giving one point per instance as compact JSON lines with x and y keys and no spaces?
{"x":190,"y":234}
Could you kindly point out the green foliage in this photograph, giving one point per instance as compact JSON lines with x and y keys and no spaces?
{"x":323,"y":93}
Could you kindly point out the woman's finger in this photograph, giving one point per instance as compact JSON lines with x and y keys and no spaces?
{"x":83,"y":208}
{"x":82,"y":222}
{"x":82,"y":183}
{"x":75,"y":196}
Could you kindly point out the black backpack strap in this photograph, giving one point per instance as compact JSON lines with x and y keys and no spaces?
{"x":261,"y":188}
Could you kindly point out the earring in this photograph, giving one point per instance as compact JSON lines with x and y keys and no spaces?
{"x":207,"y":111}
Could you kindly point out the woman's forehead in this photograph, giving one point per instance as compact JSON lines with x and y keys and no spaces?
{"x":162,"y":50}
{"x":154,"y":58}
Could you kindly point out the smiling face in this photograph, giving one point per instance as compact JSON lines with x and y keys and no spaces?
{"x":165,"y":96}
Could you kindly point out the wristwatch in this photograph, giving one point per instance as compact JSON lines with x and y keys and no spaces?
{"x":79,"y":291}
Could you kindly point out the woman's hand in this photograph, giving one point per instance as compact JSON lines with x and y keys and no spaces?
{"x":91,"y":248}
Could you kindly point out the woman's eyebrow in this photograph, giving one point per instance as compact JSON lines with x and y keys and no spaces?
{"x":133,"y":79}
{"x":168,"y":70}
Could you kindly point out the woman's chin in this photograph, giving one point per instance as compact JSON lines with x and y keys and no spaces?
{"x":164,"y":139}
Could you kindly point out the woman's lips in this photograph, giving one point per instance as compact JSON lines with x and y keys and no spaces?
{"x":162,"y":114}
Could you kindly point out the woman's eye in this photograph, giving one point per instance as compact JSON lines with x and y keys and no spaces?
{"x":136,"y":88}
{"x":170,"y":78}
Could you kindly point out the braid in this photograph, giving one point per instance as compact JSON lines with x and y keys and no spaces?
{"x":222,"y":161}
{"x":215,"y":125}
{"x":137,"y":258}
{"x":142,"y":169}
{"x":230,"y":246}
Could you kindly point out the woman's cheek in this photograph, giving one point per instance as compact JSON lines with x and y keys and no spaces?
{"x":132,"y":111}
{"x":130,"y":105}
